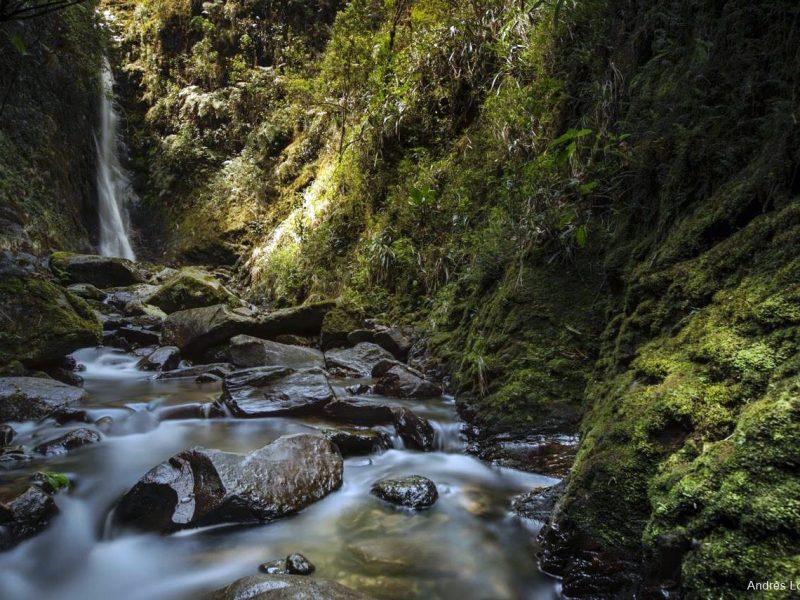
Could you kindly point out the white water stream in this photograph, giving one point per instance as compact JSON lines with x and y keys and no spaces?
{"x":114,"y":190}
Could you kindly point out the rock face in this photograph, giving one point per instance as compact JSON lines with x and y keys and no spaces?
{"x":100,"y":271}
{"x":358,"y":360}
{"x":414,"y":491}
{"x":276,"y":391}
{"x":415,"y":431}
{"x":42,"y":322}
{"x":402,"y":382}
{"x":285,"y":587}
{"x":191,"y":288}
{"x":247,"y":351}
{"x":25,"y":516}
{"x":204,"y":487}
{"x":33,"y":398}
{"x":70,"y":441}
{"x":165,"y":358}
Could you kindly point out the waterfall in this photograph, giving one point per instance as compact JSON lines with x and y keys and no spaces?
{"x":114,"y":190}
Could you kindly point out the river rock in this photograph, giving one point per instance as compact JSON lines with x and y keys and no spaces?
{"x":137,"y":308}
{"x":359,"y":442}
{"x":122,"y":297}
{"x":274,"y":567}
{"x":200,"y":487}
{"x":87,"y":291}
{"x":402,"y":382}
{"x":248,"y":351}
{"x":191,"y":288}
{"x":198,"y":329}
{"x":359,"y":411}
{"x":539,"y":503}
{"x":219,"y":370}
{"x":285,"y":587}
{"x":34,"y":398}
{"x":165,"y":358}
{"x":297,"y":564}
{"x":414,"y":491}
{"x":70,"y":441}
{"x":100,"y":271}
{"x":305,"y":320}
{"x":393,"y":340}
{"x":42,"y":322}
{"x":25,"y":516}
{"x":276,"y":391}
{"x":416,"y":432}
{"x":356,"y":361}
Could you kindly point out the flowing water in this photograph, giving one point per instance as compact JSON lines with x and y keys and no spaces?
{"x":114,"y":191}
{"x":467,"y":546}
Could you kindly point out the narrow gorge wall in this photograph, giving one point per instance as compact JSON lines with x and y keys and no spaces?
{"x":49,"y":89}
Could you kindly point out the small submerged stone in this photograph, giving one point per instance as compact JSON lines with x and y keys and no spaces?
{"x":297,"y":564}
{"x":70,"y":441}
{"x":414,"y":491}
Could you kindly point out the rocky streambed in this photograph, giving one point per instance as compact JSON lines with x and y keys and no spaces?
{"x":195,"y":442}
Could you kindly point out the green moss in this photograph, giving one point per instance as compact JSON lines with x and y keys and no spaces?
{"x":43,"y":322}
{"x":191,"y":288}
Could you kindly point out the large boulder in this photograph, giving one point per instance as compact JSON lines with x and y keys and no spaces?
{"x":200,"y":487}
{"x":191,"y":288}
{"x":414,"y":491}
{"x":401,"y":382}
{"x":248,"y":351}
{"x":25,"y":516}
{"x":299,"y":320}
{"x":34,"y":398}
{"x":40,"y":322}
{"x":285,"y":587}
{"x":358,"y":361}
{"x":276,"y":391}
{"x":100,"y":271}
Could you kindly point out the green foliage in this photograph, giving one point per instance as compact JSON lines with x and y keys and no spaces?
{"x":56,"y":481}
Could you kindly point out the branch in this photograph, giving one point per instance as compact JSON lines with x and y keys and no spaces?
{"x":26,"y":9}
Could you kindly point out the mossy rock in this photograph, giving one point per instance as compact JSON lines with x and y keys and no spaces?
{"x":100,"y":271}
{"x":43,"y":322}
{"x":191,"y":288}
{"x":339,"y":322}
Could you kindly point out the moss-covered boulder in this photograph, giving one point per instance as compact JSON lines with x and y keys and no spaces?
{"x":338,"y":323}
{"x":42,"y":322}
{"x":100,"y":271}
{"x":191,"y":288}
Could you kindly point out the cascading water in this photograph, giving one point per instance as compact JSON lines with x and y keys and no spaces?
{"x":114,"y":189}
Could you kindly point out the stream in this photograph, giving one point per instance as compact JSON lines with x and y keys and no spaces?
{"x":467,"y":546}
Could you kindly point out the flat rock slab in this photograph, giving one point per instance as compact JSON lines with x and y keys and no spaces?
{"x":248,"y":351}
{"x":100,"y":271}
{"x":276,"y":391}
{"x":34,"y":398}
{"x":201,"y":487}
{"x":285,"y":587}
{"x":215,"y":369}
{"x":414,"y":491}
{"x":358,"y":360}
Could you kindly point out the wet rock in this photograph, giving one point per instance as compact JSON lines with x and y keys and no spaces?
{"x":402,"y":382}
{"x":276,"y":391}
{"x":122,"y":297}
{"x":138,"y":335}
{"x":303,"y":320}
{"x":356,"y":361}
{"x":416,"y":432}
{"x":414,"y":491}
{"x":165,"y":358}
{"x":13,"y":454}
{"x":198,"y":329}
{"x":208,"y":378}
{"x":297,"y":564}
{"x":33,"y":398}
{"x":100,"y":271}
{"x":248,"y":351}
{"x":274,"y":567}
{"x":70,"y":441}
{"x":359,"y":442}
{"x":217,"y":369}
{"x":394,"y":341}
{"x":25,"y":516}
{"x":545,"y":454}
{"x":191,"y":288}
{"x":538,"y":504}
{"x":285,"y":587}
{"x":179,"y":412}
{"x":137,"y":308}
{"x":359,"y":389}
{"x":7,"y":434}
{"x":42,"y":322}
{"x":200,"y":487}
{"x":112,"y":340}
{"x":87,"y":291}
{"x":359,"y":411}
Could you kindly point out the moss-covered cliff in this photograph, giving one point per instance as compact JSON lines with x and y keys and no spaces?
{"x":49,"y":68}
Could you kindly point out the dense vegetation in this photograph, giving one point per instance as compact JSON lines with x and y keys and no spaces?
{"x":591,"y":209}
